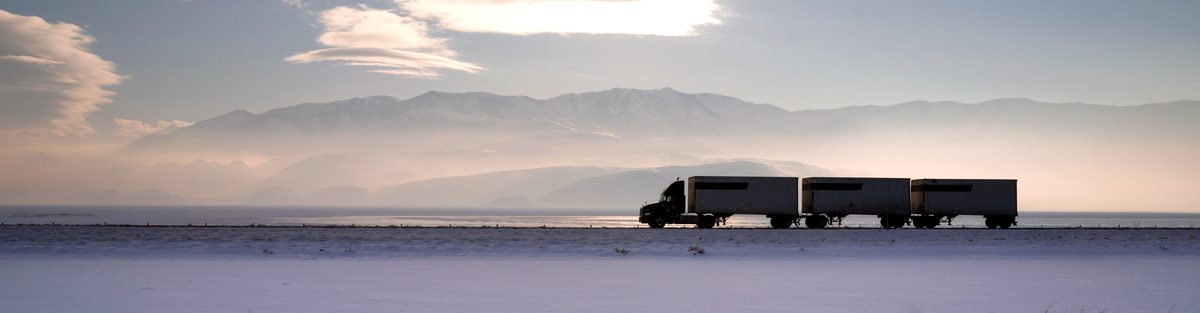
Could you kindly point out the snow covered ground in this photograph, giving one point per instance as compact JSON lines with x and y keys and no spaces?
{"x":310,"y":269}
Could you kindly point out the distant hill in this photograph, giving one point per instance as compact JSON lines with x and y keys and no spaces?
{"x":487,"y":188}
{"x":575,"y":187}
{"x":625,"y":189}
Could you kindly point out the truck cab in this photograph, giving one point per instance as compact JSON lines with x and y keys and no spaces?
{"x":670,"y":205}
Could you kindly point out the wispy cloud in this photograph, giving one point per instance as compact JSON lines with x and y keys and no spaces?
{"x":49,"y":81}
{"x":132,"y":128}
{"x":298,"y":3}
{"x":522,"y":17}
{"x":29,"y":59}
{"x":394,"y":44}
{"x":419,"y":64}
{"x":399,"y":42}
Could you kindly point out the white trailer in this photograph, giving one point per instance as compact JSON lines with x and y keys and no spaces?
{"x":935,"y":200}
{"x":827,"y":199}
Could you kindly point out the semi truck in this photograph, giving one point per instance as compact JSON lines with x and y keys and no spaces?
{"x":711,"y":200}
{"x":708,"y":201}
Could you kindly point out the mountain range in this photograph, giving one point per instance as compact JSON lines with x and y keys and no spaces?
{"x":619,"y":147}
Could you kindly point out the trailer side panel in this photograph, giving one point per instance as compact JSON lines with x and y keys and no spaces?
{"x":964,"y":196}
{"x":855,"y":195}
{"x":743,"y":195}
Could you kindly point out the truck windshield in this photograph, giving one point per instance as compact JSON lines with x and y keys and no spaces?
{"x":664,"y":198}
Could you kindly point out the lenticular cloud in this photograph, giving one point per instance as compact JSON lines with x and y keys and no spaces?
{"x":398,"y":62}
{"x":51,"y":81}
{"x":393,"y":44}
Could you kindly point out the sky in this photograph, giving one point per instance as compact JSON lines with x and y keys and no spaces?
{"x":106,"y":72}
{"x":80,"y":79}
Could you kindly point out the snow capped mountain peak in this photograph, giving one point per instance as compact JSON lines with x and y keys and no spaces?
{"x":615,"y":111}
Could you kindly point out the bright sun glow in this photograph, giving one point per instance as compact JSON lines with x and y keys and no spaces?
{"x":642,"y":17}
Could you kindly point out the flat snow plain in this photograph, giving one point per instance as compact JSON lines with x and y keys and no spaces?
{"x":313,"y":269}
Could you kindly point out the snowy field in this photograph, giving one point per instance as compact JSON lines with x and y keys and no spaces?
{"x":310,"y":269}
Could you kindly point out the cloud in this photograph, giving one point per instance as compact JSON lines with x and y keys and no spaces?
{"x":398,"y":42}
{"x":298,"y":3}
{"x":29,"y":59}
{"x":523,"y":17}
{"x":365,"y":27}
{"x":49,"y":81}
{"x":369,"y":37}
{"x":132,"y":128}
{"x":405,"y":63}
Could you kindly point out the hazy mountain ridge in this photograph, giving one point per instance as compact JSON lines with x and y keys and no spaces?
{"x":619,"y":113}
{"x":616,"y":112}
{"x":1003,"y":114}
{"x":600,"y":149}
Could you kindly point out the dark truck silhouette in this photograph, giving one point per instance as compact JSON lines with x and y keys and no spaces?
{"x":708,"y":201}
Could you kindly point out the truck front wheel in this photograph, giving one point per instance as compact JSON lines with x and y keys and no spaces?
{"x":657,"y":222}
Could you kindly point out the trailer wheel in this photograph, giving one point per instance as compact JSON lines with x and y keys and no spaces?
{"x":990,"y":222}
{"x":892,"y":221}
{"x":918,"y":222}
{"x":1004,"y":223}
{"x":658,"y":222}
{"x":782,"y":222}
{"x":927,"y":222}
{"x":706,"y":222}
{"x":816,"y":221}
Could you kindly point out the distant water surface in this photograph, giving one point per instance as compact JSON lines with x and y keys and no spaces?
{"x":480,"y":217}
